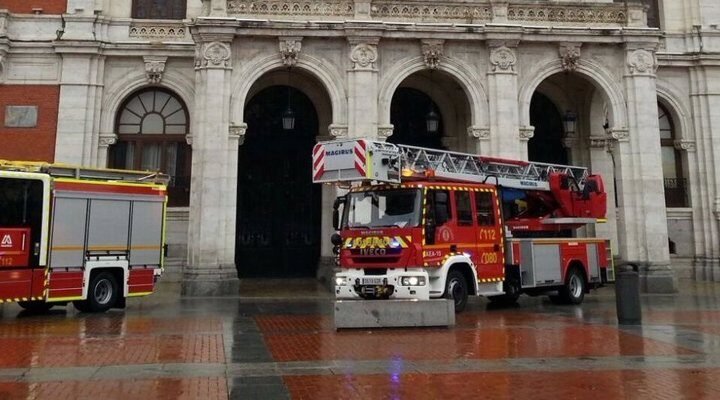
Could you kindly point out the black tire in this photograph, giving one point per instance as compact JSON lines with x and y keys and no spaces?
{"x":574,"y":290}
{"x":512,"y":293}
{"x":456,"y":290}
{"x":102,"y":294}
{"x":36,"y":307}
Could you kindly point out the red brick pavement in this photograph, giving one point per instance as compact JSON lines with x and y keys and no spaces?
{"x":305,"y":339}
{"x":606,"y":385}
{"x":166,"y":388}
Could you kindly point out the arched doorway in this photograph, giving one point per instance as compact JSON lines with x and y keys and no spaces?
{"x":278,"y":207}
{"x":547,"y":143}
{"x":412,"y":113}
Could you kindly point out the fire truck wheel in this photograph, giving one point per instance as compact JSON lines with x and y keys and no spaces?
{"x":102,"y":294}
{"x":36,"y":306}
{"x":456,"y":289}
{"x":574,"y":290}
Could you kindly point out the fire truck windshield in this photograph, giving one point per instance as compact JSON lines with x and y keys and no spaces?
{"x":398,"y":208}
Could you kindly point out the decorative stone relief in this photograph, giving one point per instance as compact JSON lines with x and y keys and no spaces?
{"x":432,"y":51}
{"x":570,"y":56}
{"x":502,"y":59}
{"x":642,"y":61}
{"x":364,"y":55}
{"x":479,"y":133}
{"x":527,"y":132}
{"x":107,"y":139}
{"x":338,"y":131}
{"x":385,"y":131}
{"x":685,"y":145}
{"x":154,"y":68}
{"x":213,"y":54}
{"x":290,"y":49}
{"x":621,"y":135}
{"x":441,"y":11}
{"x":307,"y":8}
{"x":164,"y":32}
{"x":237,"y":132}
{"x":615,"y":14}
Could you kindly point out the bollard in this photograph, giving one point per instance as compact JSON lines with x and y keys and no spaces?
{"x":627,"y":295}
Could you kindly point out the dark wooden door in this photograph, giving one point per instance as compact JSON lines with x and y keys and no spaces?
{"x":278,"y":209}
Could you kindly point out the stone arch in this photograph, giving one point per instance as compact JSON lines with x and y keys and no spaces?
{"x":670,"y":98}
{"x":461,"y":73}
{"x":329,"y":79}
{"x":594,"y":72}
{"x":132,"y":82}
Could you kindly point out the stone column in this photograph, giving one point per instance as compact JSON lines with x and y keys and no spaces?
{"x":81,"y":87}
{"x":642,"y":214}
{"x":211,"y":234}
{"x":503,"y":94}
{"x":705,"y":181}
{"x":602,"y":164}
{"x":363,"y":87}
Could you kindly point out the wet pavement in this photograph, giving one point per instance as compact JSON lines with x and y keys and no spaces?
{"x":276,"y":343}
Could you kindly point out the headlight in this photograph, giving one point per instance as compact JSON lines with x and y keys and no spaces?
{"x":413,"y":281}
{"x":340,"y":281}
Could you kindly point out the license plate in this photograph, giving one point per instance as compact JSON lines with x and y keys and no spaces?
{"x":371,"y":281}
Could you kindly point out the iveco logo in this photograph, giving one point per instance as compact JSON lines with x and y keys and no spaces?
{"x":373,"y":252}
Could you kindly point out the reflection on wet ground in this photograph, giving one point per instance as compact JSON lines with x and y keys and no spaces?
{"x":276,"y":343}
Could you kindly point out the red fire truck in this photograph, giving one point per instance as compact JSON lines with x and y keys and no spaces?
{"x":92,"y":237}
{"x":419,"y":223}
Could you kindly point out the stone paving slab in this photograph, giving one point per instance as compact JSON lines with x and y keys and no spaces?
{"x":165,"y":346}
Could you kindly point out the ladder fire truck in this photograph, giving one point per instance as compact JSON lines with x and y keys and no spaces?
{"x":92,"y":237}
{"x":419,"y":223}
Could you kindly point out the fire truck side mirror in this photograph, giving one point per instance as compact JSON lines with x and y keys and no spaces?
{"x":336,"y":212}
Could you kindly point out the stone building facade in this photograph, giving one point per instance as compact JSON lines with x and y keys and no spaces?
{"x":201,"y":89}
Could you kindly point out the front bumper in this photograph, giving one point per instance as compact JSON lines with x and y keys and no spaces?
{"x":395,"y":284}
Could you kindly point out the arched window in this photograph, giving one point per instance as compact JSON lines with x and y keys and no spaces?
{"x":159,"y":9}
{"x":151,"y":127}
{"x":674,"y":178}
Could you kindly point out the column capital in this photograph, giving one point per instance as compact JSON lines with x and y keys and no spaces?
{"x":527,"y":133}
{"x":385,"y":131}
{"x":620,"y":134}
{"x":363,"y":53}
{"x":213,"y":55}
{"x":685,"y":145}
{"x":237,"y":132}
{"x":600,"y":142}
{"x":338,"y":131}
{"x":107,"y":139}
{"x":479,"y":132}
{"x":502,"y":59}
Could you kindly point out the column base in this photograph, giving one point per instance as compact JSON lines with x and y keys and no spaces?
{"x":657,"y":278}
{"x":205,"y":282}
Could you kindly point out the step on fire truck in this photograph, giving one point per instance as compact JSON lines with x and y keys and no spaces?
{"x":92,"y":237}
{"x":419,"y":223}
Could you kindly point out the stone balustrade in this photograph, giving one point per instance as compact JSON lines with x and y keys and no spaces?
{"x":431,"y":11}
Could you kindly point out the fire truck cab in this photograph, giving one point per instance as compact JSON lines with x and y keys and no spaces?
{"x":436,"y":226}
{"x":92,"y":237}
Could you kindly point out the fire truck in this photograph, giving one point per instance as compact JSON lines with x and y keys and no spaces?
{"x":420,"y":223}
{"x":93,"y":237}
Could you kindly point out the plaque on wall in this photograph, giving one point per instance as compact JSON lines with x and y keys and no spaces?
{"x":21,"y":116}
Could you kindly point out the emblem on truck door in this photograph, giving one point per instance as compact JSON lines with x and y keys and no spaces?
{"x":6,"y":241}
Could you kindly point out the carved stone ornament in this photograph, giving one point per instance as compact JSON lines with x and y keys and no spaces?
{"x":642,"y":62}
{"x":685,"y":145}
{"x":107,"y":139}
{"x":364,"y":56}
{"x":154,"y":68}
{"x":237,"y":132}
{"x":599,"y":141}
{"x":432,"y":51}
{"x":338,"y":131}
{"x":385,"y":131}
{"x":479,"y":133}
{"x":621,"y":135}
{"x":503,"y":59}
{"x":527,"y":132}
{"x":215,"y":54}
{"x":569,"y":56}
{"x":290,"y":49}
